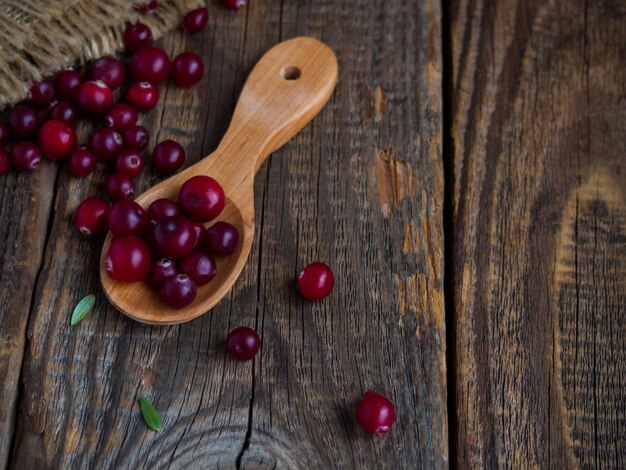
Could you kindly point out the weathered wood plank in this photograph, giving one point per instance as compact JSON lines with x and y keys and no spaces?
{"x":539,"y":233}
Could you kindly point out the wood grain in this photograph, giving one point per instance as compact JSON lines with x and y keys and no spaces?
{"x":539,"y":233}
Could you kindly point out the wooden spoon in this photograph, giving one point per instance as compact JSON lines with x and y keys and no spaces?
{"x":285,"y":90}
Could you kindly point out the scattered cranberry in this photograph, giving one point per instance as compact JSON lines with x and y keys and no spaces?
{"x":173,"y":237}
{"x":200,"y":267}
{"x":81,"y":162}
{"x":142,"y":96}
{"x":41,"y":93}
{"x":119,"y":186}
{"x":160,"y":271}
{"x":316,"y":281}
{"x":178,"y":291}
{"x":127,"y":218}
{"x":56,"y":140}
{"x":129,"y":162}
{"x":23,"y":122}
{"x":136,"y":137}
{"x":146,"y":7}
{"x":94,"y":98}
{"x":25,"y":156}
{"x":5,"y":163}
{"x":4,"y":134}
{"x":168,"y":156}
{"x":243,"y":343}
{"x":108,"y":70}
{"x":221,"y":239}
{"x":128,"y":259}
{"x":195,"y":20}
{"x":137,"y":35}
{"x":162,"y":209}
{"x":375,"y":413}
{"x":91,"y":216}
{"x":67,"y":83}
{"x":201,"y":198}
{"x":187,"y":69}
{"x":121,"y":116}
{"x":64,"y":111}
{"x":105,"y":144}
{"x":234,"y":4}
{"x":150,"y":64}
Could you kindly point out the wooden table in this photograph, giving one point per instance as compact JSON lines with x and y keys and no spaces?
{"x":467,"y":184}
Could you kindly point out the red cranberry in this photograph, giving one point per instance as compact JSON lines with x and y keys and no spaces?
{"x":150,"y":64}
{"x":137,"y":35}
{"x":243,"y":343}
{"x":25,"y":156}
{"x":64,"y":111}
{"x":127,"y":218}
{"x":56,"y":140}
{"x":168,"y":156}
{"x":67,"y":83}
{"x":146,"y":7}
{"x":119,"y":186}
{"x":90,"y":217}
{"x":221,"y":239}
{"x":178,"y":291}
{"x":234,"y":4}
{"x":94,"y":98}
{"x":108,"y":70}
{"x":173,"y":237}
{"x":142,"y":96}
{"x":316,"y":281}
{"x":5,"y":164}
{"x":195,"y":20}
{"x":4,"y":134}
{"x":187,"y":69}
{"x":128,"y":259}
{"x":199,"y":228}
{"x":200,"y":267}
{"x":201,"y":198}
{"x":129,"y":162}
{"x":136,"y":137}
{"x":162,"y":209}
{"x":375,"y":413}
{"x":23,"y":122}
{"x":81,"y":162}
{"x":121,"y":116}
{"x":160,"y":271}
{"x":105,"y":144}
{"x":41,"y":93}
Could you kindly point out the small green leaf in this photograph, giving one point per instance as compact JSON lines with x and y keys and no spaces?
{"x":82,"y":309}
{"x":150,"y":415}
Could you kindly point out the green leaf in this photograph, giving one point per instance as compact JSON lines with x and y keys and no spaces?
{"x":82,"y":309}
{"x":150,"y":415}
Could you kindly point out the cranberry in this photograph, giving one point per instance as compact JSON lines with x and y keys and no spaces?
{"x":67,"y":83}
{"x":221,"y":238}
{"x":316,"y":281}
{"x":187,"y":69}
{"x":142,"y":96}
{"x":105,"y":144}
{"x":41,"y":93}
{"x":121,"y":116}
{"x":108,"y":70}
{"x":162,"y":209}
{"x":56,"y":140}
{"x":23,"y":121}
{"x":146,"y":7}
{"x":127,"y":218}
{"x":25,"y":156}
{"x":375,"y":413}
{"x":160,"y":271}
{"x":4,"y":134}
{"x":173,"y":237}
{"x":91,"y":216}
{"x":199,"y":228}
{"x":200,"y":267}
{"x":137,"y":35}
{"x":136,"y":137}
{"x":168,"y":156}
{"x":128,"y":259}
{"x":234,"y":4}
{"x":5,"y":164}
{"x":94,"y":98}
{"x":201,"y":198}
{"x":150,"y":64}
{"x":119,"y":186}
{"x":243,"y":343}
{"x":178,"y":291}
{"x":81,"y":162}
{"x":64,"y":111}
{"x":195,"y":20}
{"x":129,"y":162}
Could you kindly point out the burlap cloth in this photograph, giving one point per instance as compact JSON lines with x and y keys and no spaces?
{"x":41,"y":37}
